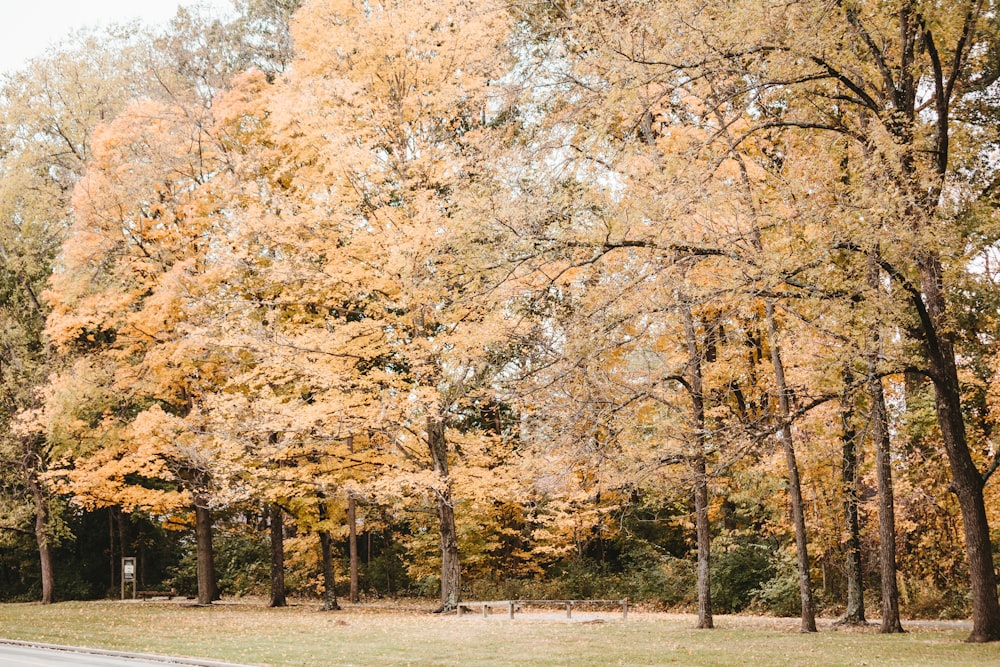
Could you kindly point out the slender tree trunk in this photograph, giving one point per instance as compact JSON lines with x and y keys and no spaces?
{"x":967,"y":482}
{"x":704,"y":544}
{"x":883,"y":475}
{"x":352,"y":536}
{"x":112,"y":551}
{"x":277,"y":530}
{"x":326,"y":551}
{"x":120,"y":519}
{"x":329,"y":575}
{"x":451,"y":569}
{"x":855,"y":614}
{"x":886,"y":509}
{"x":794,"y":486}
{"x":43,"y":538}
{"x":702,"y":527}
{"x":207,"y":587}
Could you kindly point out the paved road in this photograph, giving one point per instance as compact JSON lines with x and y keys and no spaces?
{"x":19,"y":655}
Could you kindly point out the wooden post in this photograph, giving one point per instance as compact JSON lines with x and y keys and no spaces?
{"x":625,"y":609}
{"x":486,"y":610}
{"x":569,"y":610}
{"x":510,"y":609}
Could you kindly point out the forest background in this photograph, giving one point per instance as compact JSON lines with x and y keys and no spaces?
{"x":693,"y":303}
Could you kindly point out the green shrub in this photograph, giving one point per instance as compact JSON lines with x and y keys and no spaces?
{"x":741,"y":565}
{"x":780,"y":595}
{"x":184,"y":575}
{"x":578,"y":579}
{"x":388,"y":574}
{"x":243,"y":564}
{"x":661,"y":580}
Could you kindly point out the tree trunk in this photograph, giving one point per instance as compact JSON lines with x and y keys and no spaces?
{"x":329,"y":576}
{"x":886,"y":508}
{"x":794,"y":486}
{"x":883,"y":474}
{"x":966,"y":481}
{"x":43,"y":538}
{"x":855,"y":614}
{"x":277,"y":530}
{"x":207,"y":587}
{"x":112,"y":550}
{"x":352,"y":538}
{"x":704,"y":534}
{"x":451,"y":569}
{"x":702,"y":527}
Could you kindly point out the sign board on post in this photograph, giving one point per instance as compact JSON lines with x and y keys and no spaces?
{"x":128,"y":574}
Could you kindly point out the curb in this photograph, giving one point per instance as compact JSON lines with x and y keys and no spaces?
{"x":149,"y":657}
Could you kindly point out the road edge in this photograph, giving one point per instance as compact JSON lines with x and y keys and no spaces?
{"x":149,"y":657}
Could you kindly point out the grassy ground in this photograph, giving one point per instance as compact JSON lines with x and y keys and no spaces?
{"x":303,"y":636}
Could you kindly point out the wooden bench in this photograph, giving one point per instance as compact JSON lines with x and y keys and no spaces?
{"x":515,"y":605}
{"x":142,"y":595}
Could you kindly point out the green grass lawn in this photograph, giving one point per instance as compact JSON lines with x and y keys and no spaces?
{"x":303,"y":636}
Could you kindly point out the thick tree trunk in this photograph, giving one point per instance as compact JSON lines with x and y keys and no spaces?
{"x":207,"y":587}
{"x":277,"y":530}
{"x":702,"y":528}
{"x":451,"y":569}
{"x":794,"y":486}
{"x":855,"y":614}
{"x":966,"y":481}
{"x":43,"y":538}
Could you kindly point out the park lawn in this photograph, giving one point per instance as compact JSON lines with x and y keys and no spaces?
{"x":303,"y":636}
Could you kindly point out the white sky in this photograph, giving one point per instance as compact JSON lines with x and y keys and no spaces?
{"x":28,"y":27}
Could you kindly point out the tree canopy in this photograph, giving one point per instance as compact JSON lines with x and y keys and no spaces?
{"x":694,"y":302}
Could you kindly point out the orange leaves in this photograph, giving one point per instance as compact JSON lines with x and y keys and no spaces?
{"x":126,"y":300}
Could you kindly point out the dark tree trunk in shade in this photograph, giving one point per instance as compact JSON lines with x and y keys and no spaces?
{"x":855,"y":614}
{"x":208,"y":590}
{"x":277,"y":530}
{"x":112,"y":549}
{"x":886,"y":509}
{"x":352,"y":537}
{"x":329,"y":575}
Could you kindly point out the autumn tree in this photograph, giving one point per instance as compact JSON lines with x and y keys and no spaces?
{"x":49,"y":112}
{"x":896,"y":86}
{"x":121,"y":307}
{"x":369,"y":297}
{"x":917,"y":84}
